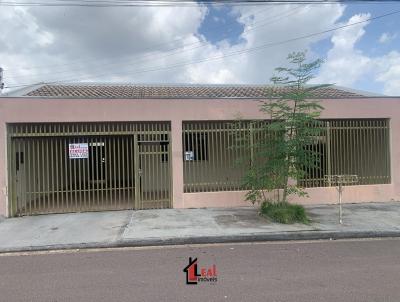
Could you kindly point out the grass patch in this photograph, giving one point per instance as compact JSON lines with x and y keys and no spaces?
{"x":284,"y":212}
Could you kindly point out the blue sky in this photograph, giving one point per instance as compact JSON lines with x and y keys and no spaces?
{"x":221,"y":24}
{"x":369,"y":43}
{"x":199,"y":44}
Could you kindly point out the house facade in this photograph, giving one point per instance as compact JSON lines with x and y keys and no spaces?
{"x":91,"y":147}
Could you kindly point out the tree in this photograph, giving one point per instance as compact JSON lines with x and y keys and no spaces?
{"x":279,"y":148}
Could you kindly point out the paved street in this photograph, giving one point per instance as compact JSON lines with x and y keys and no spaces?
{"x":364,"y":270}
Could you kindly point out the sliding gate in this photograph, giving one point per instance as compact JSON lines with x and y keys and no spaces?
{"x":55,"y":168}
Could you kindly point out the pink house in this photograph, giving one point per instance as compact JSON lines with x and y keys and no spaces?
{"x":90,"y":147}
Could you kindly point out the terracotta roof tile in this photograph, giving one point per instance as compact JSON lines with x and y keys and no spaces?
{"x":178,"y":91}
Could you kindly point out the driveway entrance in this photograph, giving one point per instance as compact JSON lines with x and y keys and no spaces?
{"x":56,"y":168}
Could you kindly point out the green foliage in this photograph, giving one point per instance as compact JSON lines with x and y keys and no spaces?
{"x":279,"y":149}
{"x":284,"y":212}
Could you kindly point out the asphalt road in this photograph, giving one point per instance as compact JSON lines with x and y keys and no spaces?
{"x":366,"y":270}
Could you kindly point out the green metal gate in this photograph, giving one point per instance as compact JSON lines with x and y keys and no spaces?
{"x":56,"y":168}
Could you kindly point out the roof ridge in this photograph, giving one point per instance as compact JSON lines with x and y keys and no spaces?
{"x":204,"y":91}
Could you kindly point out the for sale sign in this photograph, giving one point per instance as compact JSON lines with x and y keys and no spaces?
{"x":78,"y":151}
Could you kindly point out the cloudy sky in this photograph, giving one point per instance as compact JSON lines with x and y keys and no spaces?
{"x":199,"y":44}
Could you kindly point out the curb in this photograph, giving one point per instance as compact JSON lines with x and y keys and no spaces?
{"x":282,"y":236}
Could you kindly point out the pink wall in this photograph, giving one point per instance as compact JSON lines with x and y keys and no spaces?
{"x":353,"y":194}
{"x":31,"y":110}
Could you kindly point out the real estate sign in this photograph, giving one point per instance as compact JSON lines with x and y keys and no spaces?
{"x":78,"y":151}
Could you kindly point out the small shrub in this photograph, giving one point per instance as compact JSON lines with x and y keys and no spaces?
{"x":284,"y":212}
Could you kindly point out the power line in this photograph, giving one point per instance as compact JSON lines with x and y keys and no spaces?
{"x":234,"y":53}
{"x":141,"y":3}
{"x":151,"y":48}
{"x":178,"y":50}
{"x":10,"y":75}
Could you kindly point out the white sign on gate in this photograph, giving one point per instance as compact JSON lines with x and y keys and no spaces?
{"x":189,"y":155}
{"x":78,"y":151}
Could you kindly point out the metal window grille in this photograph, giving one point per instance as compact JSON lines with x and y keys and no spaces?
{"x":352,"y":147}
{"x":216,"y":155}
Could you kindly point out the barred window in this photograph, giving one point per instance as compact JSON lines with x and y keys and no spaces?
{"x":345,"y":146}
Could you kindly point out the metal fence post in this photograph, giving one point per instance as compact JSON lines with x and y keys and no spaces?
{"x":340,"y":203}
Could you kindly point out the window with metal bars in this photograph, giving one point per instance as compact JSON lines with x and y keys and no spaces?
{"x":196,"y":146}
{"x":352,"y":147}
{"x":345,"y":146}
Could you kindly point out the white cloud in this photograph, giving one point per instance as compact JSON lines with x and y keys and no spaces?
{"x":70,"y":43}
{"x":95,"y":44}
{"x":389,"y":73}
{"x":279,"y":23}
{"x":387,"y":37}
{"x":346,"y":64}
{"x":82,"y":44}
{"x":73,"y":44}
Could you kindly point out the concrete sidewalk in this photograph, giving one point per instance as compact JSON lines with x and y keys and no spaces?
{"x":184,"y":226}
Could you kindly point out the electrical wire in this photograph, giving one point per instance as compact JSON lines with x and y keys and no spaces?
{"x":141,"y":3}
{"x":174,"y":51}
{"x":234,"y":53}
{"x":149,"y":48}
{"x":10,"y":74}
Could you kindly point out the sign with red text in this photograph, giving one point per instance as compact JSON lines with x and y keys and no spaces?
{"x":200,"y":274}
{"x":77,"y":151}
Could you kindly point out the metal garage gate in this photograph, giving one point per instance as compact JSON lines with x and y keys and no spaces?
{"x":56,"y":168}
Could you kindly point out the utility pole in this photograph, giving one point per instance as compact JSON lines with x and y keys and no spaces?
{"x":1,"y":80}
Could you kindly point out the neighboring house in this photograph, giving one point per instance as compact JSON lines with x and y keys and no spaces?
{"x":89,"y":147}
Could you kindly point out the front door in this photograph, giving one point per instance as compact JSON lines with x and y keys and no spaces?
{"x":154,"y":174}
{"x":20,"y":179}
{"x":97,"y":151}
